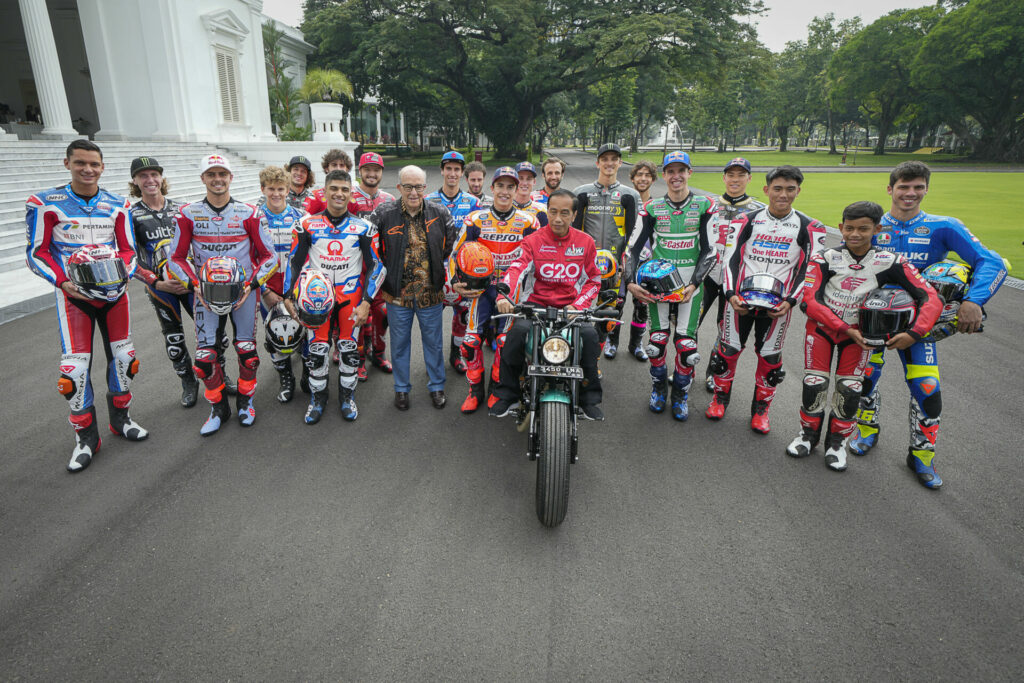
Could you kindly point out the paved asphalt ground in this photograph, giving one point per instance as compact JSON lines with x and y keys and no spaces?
{"x":404,"y":546}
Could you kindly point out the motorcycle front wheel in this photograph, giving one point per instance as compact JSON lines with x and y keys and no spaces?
{"x":553,"y":463}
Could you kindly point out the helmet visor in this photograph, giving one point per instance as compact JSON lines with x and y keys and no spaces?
{"x":103,"y":273}
{"x":221,"y":296}
{"x":882,"y":325}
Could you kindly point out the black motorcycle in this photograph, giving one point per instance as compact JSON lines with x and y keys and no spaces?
{"x":550,"y":399}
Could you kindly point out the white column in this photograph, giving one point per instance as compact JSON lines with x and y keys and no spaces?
{"x":378,"y":124}
{"x":42,"y":51}
{"x":401,"y":138}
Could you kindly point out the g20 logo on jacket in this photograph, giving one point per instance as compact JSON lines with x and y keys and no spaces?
{"x":560,"y":271}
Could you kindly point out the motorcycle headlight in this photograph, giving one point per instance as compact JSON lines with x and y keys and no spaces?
{"x":555,"y":350}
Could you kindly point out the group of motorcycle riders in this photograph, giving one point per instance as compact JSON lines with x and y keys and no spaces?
{"x":309,"y":263}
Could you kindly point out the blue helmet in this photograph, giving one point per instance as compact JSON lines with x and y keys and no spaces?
{"x":761,"y":292}
{"x":452,"y":156}
{"x":661,"y":278}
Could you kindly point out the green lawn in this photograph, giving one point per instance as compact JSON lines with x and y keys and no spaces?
{"x":811,"y":159}
{"x":990,"y":204}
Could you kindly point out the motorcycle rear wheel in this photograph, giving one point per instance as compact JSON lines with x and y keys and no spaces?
{"x":553,"y":463}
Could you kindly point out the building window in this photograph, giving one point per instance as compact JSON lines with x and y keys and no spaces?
{"x":227,"y":80}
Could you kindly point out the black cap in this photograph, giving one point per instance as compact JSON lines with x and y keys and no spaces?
{"x":609,"y":147}
{"x":300,"y":160}
{"x":145,"y":163}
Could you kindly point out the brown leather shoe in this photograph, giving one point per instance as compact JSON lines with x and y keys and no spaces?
{"x":402,"y":400}
{"x":438,"y":399}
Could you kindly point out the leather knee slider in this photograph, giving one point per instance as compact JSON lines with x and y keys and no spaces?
{"x":815,"y":392}
{"x":686,"y":351}
{"x":847,"y":397}
{"x":175,"y":343}
{"x":206,"y":358}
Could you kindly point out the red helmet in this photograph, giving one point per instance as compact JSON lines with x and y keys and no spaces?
{"x":98,"y":272}
{"x":221,"y":281}
{"x":475,"y":265}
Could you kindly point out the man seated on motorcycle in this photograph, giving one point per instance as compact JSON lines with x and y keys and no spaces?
{"x":556,"y":267}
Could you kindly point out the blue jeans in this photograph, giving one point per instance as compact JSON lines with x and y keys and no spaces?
{"x":432,"y":334}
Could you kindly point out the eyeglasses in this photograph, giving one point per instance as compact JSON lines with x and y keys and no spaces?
{"x":413,"y":188}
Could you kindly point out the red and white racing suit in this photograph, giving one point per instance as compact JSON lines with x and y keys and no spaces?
{"x":836,"y":284}
{"x":238,"y":230}
{"x":781,"y":247}
{"x":59,"y":223}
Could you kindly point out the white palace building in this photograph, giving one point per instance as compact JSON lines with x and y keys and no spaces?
{"x":174,"y":79}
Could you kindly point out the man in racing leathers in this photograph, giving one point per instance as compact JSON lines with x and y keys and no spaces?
{"x":777,"y":241}
{"x":733,"y":205}
{"x":218,"y":225}
{"x":459,"y":204}
{"x":60,"y":221}
{"x":837,"y":282}
{"x":523,"y":199}
{"x":923,"y":239}
{"x":607,"y":212}
{"x":552,"y":171}
{"x":501,"y":229}
{"x":475,"y":174}
{"x":556,"y":267}
{"x":366,"y":197}
{"x":642,"y":175}
{"x":282,"y":220}
{"x":339,"y":245}
{"x":676,"y":227}
{"x":154,"y":224}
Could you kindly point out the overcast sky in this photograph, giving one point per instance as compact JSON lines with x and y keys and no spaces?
{"x":785,"y":20}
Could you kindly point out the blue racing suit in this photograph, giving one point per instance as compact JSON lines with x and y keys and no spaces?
{"x":923,"y":240}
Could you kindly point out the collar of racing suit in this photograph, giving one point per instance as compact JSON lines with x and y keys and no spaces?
{"x":679,"y":205}
{"x":335,"y":220}
{"x":216,"y":209}
{"x":504,"y":215}
{"x":735,"y":200}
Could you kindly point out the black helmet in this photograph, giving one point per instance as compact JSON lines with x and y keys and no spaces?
{"x":884,"y":313}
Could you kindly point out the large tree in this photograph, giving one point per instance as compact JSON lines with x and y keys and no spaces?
{"x":504,"y":58}
{"x":874,"y":66}
{"x":973,"y":60}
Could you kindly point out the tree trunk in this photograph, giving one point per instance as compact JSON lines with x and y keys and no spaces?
{"x":783,"y":132}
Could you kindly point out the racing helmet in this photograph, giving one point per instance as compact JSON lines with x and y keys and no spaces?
{"x":662,"y":279}
{"x":98,"y":272}
{"x":884,"y":313}
{"x":221,"y":282}
{"x":951,"y":279}
{"x":315,"y":299}
{"x":609,"y":267}
{"x":161,"y":256}
{"x":475,"y":265}
{"x":284,"y":333}
{"x":761,"y":292}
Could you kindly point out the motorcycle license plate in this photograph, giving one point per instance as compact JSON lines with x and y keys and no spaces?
{"x":570,"y":371}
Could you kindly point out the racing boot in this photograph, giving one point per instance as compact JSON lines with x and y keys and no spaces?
{"x":287,"y":377}
{"x":455,"y":359}
{"x":759,"y":409}
{"x":636,"y":342}
{"x":835,"y":451}
{"x":219,"y":413}
{"x":349,"y":411}
{"x":246,"y":410}
{"x":361,"y":374}
{"x":230,"y":385}
{"x":475,"y":398}
{"x":317,"y":405}
{"x":379,"y":360}
{"x":803,"y":444}
{"x":923,"y":463}
{"x":87,"y":440}
{"x":709,"y":381}
{"x":680,"y":396}
{"x":121,"y":422}
{"x":304,"y":379}
{"x":719,"y":402}
{"x":659,"y":389}
{"x":864,"y":438}
{"x":189,"y":389}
